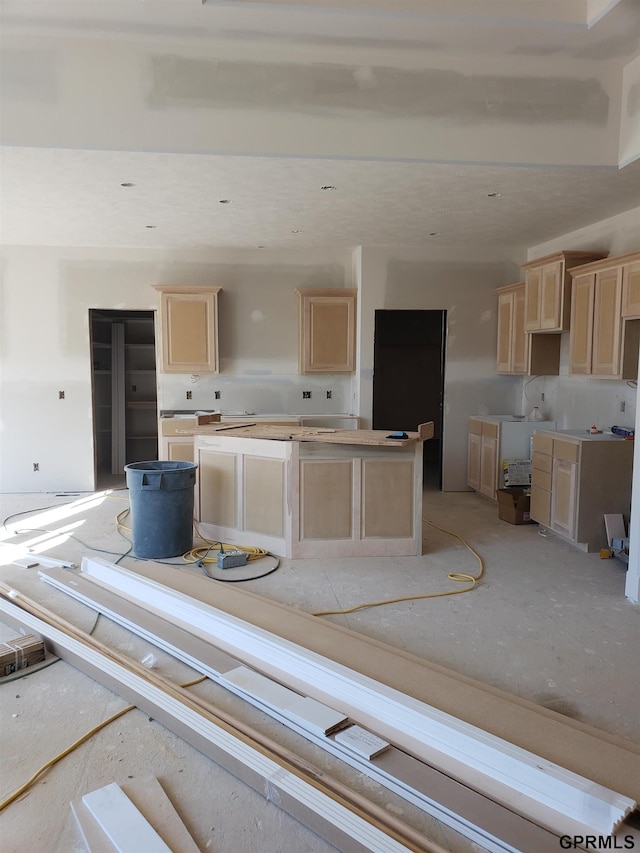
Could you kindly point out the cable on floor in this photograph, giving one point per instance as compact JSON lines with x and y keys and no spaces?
{"x":200,"y":556}
{"x":457,"y":577}
{"x":85,"y":737}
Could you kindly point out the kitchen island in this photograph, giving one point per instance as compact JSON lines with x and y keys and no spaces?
{"x":311,"y":492}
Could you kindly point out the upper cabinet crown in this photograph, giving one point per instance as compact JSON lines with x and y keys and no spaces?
{"x":327,"y":331}
{"x":548,"y":290}
{"x":189,"y":323}
{"x":605,"y":318}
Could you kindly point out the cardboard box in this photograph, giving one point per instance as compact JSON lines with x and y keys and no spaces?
{"x":20,"y":652}
{"x":514,"y":505}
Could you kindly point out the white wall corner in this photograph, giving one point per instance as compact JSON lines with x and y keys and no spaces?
{"x":632,"y":585}
{"x":629,"y":142}
{"x":597,"y":9}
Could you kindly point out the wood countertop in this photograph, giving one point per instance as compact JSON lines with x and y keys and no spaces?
{"x":371,"y":437}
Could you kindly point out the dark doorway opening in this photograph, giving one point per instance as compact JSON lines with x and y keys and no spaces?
{"x":125,"y":409}
{"x":408,"y":378}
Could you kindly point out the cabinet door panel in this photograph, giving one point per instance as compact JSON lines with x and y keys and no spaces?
{"x":540,"y":505}
{"x":217,"y":488}
{"x":581,"y":334}
{"x":563,"y":497}
{"x":607,"y":323}
{"x":326,"y":499}
{"x":532,"y":288}
{"x":505,"y":332}
{"x":631,"y":290}
{"x":180,"y":449}
{"x":189,"y":330}
{"x":551,"y":296}
{"x":520,"y":340}
{"x":387,"y":498}
{"x":327,"y":331}
{"x":488,"y":466}
{"x":330,"y":326}
{"x":473,"y":461}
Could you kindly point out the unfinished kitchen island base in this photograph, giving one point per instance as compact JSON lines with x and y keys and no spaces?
{"x":301,"y":496}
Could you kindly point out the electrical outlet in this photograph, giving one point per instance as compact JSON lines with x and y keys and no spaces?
{"x":542,"y":397}
{"x":623,"y":405}
{"x":36,"y":466}
{"x":189,"y":395}
{"x":134,"y":388}
{"x":216,"y":394}
{"x":60,"y":395}
{"x":306,"y":395}
{"x":328,"y":395}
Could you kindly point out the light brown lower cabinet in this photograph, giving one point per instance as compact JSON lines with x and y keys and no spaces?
{"x":575,"y":480}
{"x":307,"y":499}
{"x":482,"y":456}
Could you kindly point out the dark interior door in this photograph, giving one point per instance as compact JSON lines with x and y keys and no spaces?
{"x":408,"y":378}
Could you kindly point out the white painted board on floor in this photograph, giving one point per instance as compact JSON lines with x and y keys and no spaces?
{"x":126,"y":828}
{"x":149,"y":797}
{"x":362,"y":742}
{"x":306,"y":712}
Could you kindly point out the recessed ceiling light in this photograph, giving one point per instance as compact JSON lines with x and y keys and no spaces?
{"x":328,"y":187}
{"x":494,"y":195}
{"x":225,"y":201}
{"x":127,"y":184}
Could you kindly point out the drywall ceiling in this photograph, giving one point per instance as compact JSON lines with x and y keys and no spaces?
{"x":549,"y":63}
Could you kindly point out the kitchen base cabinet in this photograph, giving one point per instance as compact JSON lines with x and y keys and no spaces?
{"x":577,"y":478}
{"x":491,"y":440}
{"x":303,"y":499}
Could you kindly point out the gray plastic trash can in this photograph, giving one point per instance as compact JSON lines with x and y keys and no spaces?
{"x":161,"y":500}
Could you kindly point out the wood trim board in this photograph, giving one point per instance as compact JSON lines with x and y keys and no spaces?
{"x":325,"y":805}
{"x":469,"y":813}
{"x":542,"y":791}
{"x":584,"y":749}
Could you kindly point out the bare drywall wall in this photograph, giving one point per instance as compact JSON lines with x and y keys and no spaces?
{"x":466,"y":290}
{"x":615,"y":235}
{"x":629,"y":149}
{"x":47,"y":294}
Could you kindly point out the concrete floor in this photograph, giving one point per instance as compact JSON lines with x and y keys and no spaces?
{"x":547,"y":623}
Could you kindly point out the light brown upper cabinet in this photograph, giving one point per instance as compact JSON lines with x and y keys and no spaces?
{"x":327,"y":331}
{"x":513,"y":343}
{"x":189,"y":323}
{"x":548,"y":290}
{"x":518,"y":351}
{"x":631,"y":285}
{"x":602,"y":341}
